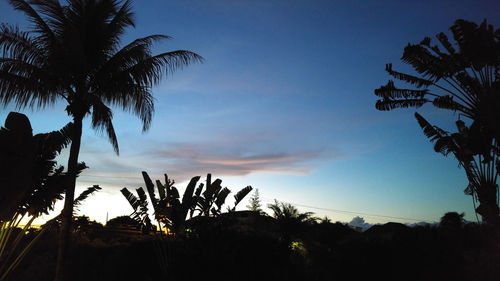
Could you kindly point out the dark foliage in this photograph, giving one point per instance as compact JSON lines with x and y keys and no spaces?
{"x":30,"y":178}
{"x":464,"y":77}
{"x":247,"y":246}
{"x":170,"y":210}
{"x":121,"y":220}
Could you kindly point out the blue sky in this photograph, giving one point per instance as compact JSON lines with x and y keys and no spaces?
{"x":283,"y":102}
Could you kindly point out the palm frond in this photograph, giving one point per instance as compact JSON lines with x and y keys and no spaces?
{"x":469,"y":84}
{"x":151,"y":189}
{"x":469,"y":190}
{"x":19,"y":46}
{"x":425,"y":63}
{"x":390,"y":91}
{"x":143,"y":200}
{"x":443,"y":39}
{"x":306,"y":217}
{"x":426,"y":41}
{"x":168,"y":185}
{"x":213,"y":189}
{"x":86,"y":193}
{"x":241,"y":194}
{"x":80,"y":166}
{"x":150,"y":70}
{"x":187,"y":197}
{"x":126,"y":57}
{"x":447,"y":102}
{"x":131,"y":198}
{"x":430,"y":131}
{"x":123,"y":18}
{"x":389,"y":104}
{"x":174,"y":193}
{"x":206,"y":200}
{"x":133,"y":98}
{"x":102,"y":118}
{"x":197,"y":199}
{"x":136,"y":73}
{"x":161,"y":189}
{"x":276,"y":208}
{"x":39,"y":25}
{"x":25,"y":91}
{"x":199,"y":189}
{"x":418,"y":82}
{"x":54,"y":13}
{"x":445,"y":145}
{"x":50,"y":144}
{"x":221,"y":198}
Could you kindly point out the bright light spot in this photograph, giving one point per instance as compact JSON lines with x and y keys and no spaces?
{"x":298,"y":246}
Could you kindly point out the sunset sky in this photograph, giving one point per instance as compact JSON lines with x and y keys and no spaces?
{"x":283,"y":102}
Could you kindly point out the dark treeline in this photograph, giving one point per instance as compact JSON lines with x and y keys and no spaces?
{"x":250,"y":246}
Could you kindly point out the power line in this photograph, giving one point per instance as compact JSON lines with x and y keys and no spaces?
{"x":349,"y":212}
{"x":299,"y":204}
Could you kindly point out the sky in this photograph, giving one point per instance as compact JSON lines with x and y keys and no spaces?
{"x":282,"y":102}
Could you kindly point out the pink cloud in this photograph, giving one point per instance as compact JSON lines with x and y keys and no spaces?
{"x":183,"y":161}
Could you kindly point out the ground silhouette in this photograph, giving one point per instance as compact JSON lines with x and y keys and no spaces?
{"x":247,"y":245}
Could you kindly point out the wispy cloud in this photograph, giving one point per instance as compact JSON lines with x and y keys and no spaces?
{"x":226,"y":161}
{"x":185,"y":160}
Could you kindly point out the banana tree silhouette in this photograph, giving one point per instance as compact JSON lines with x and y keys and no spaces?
{"x":479,"y":162}
{"x":168,"y":209}
{"x":171,"y":211}
{"x":215,"y":194}
{"x":33,"y":188}
{"x":31,"y":182}
{"x":140,"y":206}
{"x":464,"y":80}
{"x":73,"y":53}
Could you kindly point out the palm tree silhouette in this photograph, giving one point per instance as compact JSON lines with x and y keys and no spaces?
{"x":289,"y":219}
{"x":479,"y":166}
{"x":464,"y":80}
{"x":73,"y":53}
{"x":285,"y":211}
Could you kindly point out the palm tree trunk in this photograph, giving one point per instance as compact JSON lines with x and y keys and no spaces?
{"x":67,"y":213}
{"x":488,"y":206}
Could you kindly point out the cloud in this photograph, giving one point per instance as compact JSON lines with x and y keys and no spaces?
{"x":182,"y":161}
{"x":187,"y":160}
{"x":359,"y":223}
